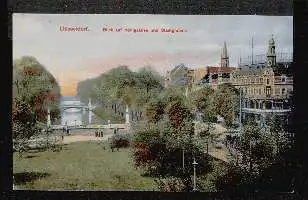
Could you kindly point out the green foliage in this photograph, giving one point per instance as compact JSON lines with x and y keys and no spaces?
{"x":36,"y":86}
{"x":34,"y":91}
{"x":227,"y":103}
{"x":159,"y":145}
{"x":177,"y":112}
{"x":24,"y":123}
{"x":135,"y":89}
{"x":260,"y":161}
{"x":154,"y":110}
{"x":202,"y":98}
{"x":107,"y":113}
{"x":256,"y":149}
{"x":203,"y":102}
{"x":120,"y":141}
{"x":171,"y":184}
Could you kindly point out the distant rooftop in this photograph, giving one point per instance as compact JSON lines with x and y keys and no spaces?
{"x":259,"y":60}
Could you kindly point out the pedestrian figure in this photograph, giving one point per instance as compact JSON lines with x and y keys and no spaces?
{"x":95,"y":133}
{"x":67,"y":131}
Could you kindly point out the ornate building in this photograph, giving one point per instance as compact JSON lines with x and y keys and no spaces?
{"x":208,"y":75}
{"x":266,"y":89}
{"x":214,"y":76}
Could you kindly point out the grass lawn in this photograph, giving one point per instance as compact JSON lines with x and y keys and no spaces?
{"x":79,"y":166}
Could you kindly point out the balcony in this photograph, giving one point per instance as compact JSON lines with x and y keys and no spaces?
{"x":261,"y":111}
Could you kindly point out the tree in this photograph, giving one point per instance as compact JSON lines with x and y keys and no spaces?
{"x":278,"y":134}
{"x":154,"y":110}
{"x":159,"y":144}
{"x":34,"y":91}
{"x":202,"y":101}
{"x":119,"y":85}
{"x":227,"y":102}
{"x":256,"y":149}
{"x":24,"y":123}
{"x":36,"y":86}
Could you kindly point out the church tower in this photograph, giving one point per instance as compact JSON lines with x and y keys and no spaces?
{"x":271,"y":54}
{"x":224,"y":59}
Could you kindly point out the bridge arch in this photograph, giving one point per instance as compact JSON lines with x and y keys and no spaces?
{"x":63,"y":108}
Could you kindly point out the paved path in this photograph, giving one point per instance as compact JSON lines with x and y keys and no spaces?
{"x":81,"y":138}
{"x":221,"y":154}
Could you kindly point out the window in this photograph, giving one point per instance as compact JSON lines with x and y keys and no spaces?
{"x":283,"y":91}
{"x":283,"y":80}
{"x":267,"y":81}
{"x":260,"y":91}
{"x":268,"y":91}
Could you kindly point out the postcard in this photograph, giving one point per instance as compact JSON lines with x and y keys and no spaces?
{"x":131,"y":102}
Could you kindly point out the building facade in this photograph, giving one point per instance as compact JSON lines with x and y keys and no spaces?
{"x":208,"y":75}
{"x":265,"y":90}
{"x":266,"y":86}
{"x":214,"y":76}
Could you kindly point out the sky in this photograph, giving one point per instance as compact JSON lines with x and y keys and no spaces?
{"x":75,"y":56}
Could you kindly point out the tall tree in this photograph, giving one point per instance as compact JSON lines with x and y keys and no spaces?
{"x":121,"y":84}
{"x":34,"y":91}
{"x":202,"y":101}
{"x":226,"y":102}
{"x":160,"y":143}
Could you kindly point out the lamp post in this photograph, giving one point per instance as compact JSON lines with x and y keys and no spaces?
{"x":195,"y":163}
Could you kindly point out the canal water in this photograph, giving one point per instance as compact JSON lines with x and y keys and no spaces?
{"x":76,"y":116}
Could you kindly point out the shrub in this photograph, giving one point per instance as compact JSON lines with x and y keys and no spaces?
{"x":120,"y":141}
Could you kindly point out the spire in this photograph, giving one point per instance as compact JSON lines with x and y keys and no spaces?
{"x":272,"y":41}
{"x":252,"y":50}
{"x":224,"y":60}
{"x":271,"y":54}
{"x":224,"y":51}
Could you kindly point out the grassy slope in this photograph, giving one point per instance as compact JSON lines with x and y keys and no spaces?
{"x":81,"y":165}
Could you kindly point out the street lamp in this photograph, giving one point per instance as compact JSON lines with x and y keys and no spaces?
{"x":195,"y":163}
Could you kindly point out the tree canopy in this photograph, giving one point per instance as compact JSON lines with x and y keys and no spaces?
{"x":135,"y":89}
{"x":34,"y":91}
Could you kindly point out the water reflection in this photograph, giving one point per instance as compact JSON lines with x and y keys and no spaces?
{"x":76,"y":116}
